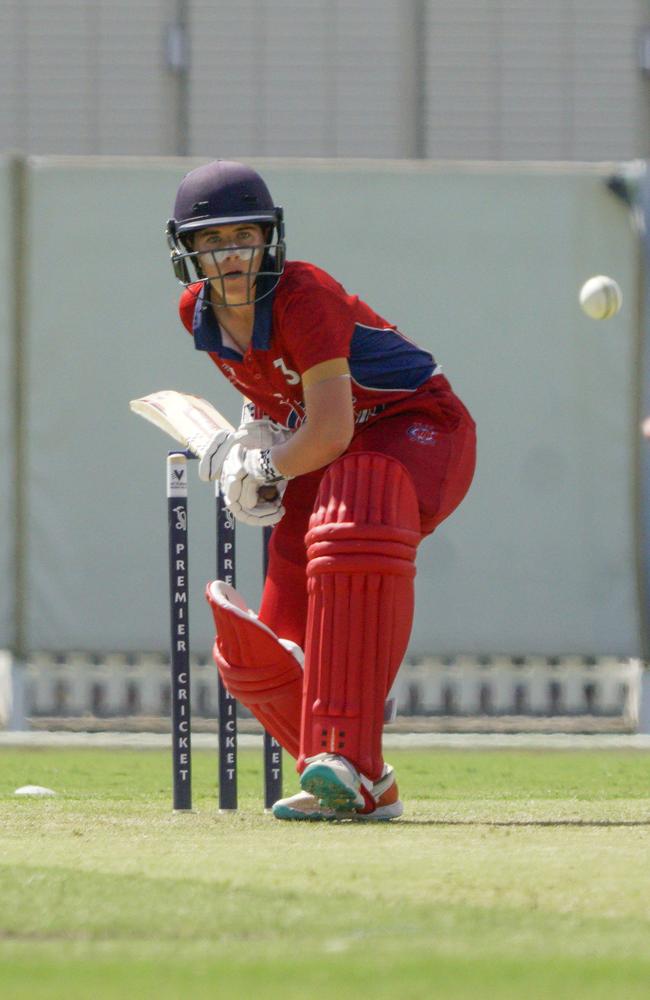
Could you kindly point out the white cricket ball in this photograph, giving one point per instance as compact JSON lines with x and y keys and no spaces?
{"x":601,"y":297}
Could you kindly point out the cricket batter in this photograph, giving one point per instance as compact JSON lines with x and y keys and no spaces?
{"x":368,"y":449}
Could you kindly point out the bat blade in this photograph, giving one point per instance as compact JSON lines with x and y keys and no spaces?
{"x":191,"y":420}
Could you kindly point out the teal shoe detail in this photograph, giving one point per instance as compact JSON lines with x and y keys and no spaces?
{"x":331,"y":790}
{"x":283,"y":811}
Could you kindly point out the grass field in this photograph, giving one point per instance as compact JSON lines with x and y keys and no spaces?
{"x":512,"y":875}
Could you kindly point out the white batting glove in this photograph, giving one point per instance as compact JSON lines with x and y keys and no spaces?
{"x":213,"y":454}
{"x":264,"y":514}
{"x":254,"y":433}
{"x":245,"y":472}
{"x":261,"y":434}
{"x":247,"y":413}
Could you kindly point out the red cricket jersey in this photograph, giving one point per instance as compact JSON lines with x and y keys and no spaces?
{"x":310,"y":318}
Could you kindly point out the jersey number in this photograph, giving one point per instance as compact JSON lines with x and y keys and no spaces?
{"x":292,"y":377}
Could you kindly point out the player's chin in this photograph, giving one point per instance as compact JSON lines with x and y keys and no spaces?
{"x":234,"y":290}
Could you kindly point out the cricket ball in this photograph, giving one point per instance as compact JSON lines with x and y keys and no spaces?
{"x":600,"y":297}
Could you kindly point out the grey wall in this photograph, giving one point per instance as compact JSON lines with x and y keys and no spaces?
{"x":322,"y":78}
{"x":484,"y":79}
{"x":517,"y":80}
{"x":482,"y":264}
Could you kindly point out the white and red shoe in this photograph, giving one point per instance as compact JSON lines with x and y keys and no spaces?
{"x":334,"y":790}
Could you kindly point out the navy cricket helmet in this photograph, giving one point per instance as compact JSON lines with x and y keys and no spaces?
{"x":222,"y":193}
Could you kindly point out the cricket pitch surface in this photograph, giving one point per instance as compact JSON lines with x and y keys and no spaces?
{"x":519,"y":869}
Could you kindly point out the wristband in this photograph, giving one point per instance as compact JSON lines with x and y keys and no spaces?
{"x":269,"y":472}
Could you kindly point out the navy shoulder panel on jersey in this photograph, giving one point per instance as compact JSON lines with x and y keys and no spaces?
{"x":381,"y":358}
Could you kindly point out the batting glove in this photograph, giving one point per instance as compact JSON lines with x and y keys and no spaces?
{"x":213,"y":454}
{"x":245,"y":472}
{"x":253,"y":433}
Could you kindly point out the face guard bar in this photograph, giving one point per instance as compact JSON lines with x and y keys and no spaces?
{"x":187,"y":267}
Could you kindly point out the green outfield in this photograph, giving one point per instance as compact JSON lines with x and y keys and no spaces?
{"x":512,"y":874}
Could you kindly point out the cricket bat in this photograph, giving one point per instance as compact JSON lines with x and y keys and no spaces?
{"x":190,"y":420}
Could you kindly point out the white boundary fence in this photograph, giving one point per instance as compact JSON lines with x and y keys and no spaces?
{"x":607,"y":691}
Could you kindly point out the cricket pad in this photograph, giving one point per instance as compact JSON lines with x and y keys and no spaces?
{"x":361,"y":547}
{"x":260,"y":670}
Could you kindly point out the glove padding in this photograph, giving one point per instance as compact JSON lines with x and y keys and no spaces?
{"x":213,"y":455}
{"x":240,"y":491}
{"x":244,"y":473}
{"x":259,"y":433}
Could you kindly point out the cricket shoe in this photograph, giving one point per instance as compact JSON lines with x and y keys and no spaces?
{"x":305,"y":806}
{"x":334,"y":789}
